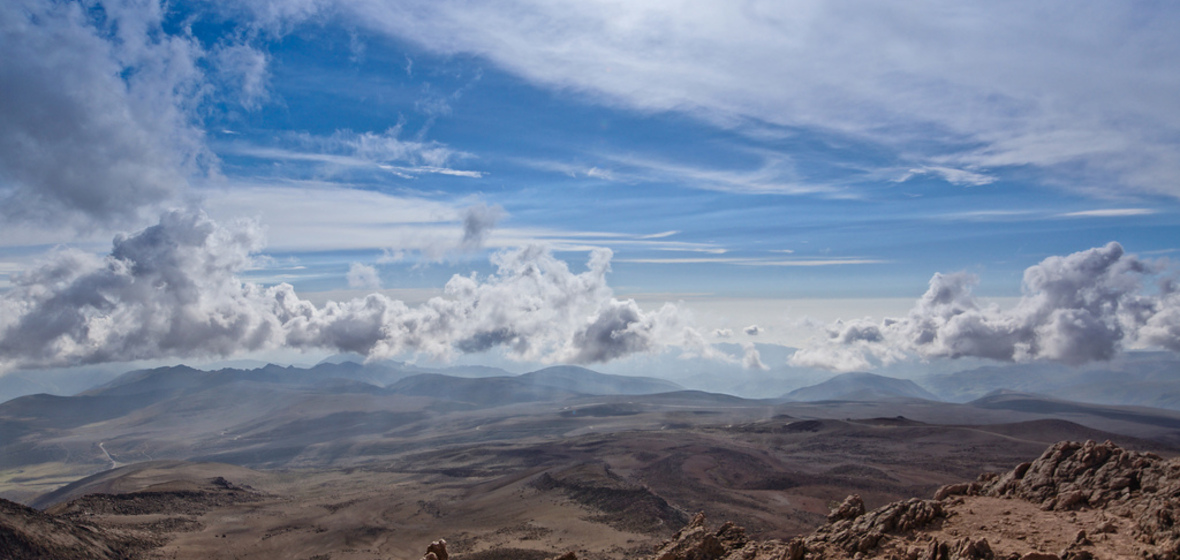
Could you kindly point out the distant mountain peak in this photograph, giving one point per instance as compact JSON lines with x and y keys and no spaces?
{"x":861,"y":386}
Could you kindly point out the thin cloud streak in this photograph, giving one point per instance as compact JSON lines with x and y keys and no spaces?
{"x":997,"y":84}
{"x":1109,"y":213}
{"x":745,"y":261}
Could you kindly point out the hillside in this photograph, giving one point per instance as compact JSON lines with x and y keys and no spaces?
{"x":1075,"y":501}
{"x":859,"y":386}
{"x":1150,"y":379}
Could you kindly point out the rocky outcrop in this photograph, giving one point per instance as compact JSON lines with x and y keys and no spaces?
{"x":851,"y":508}
{"x":965,"y":548}
{"x":863,"y":532}
{"x":850,"y":532}
{"x":1069,"y":475}
{"x":1142,"y":487}
{"x":1141,"y":491}
{"x":28,"y":534}
{"x":437,"y":550}
{"x":696,"y":542}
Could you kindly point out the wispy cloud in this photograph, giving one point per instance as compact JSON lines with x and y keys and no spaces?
{"x":992,"y":84}
{"x":745,"y":261}
{"x":1109,"y":213}
{"x":774,"y":173}
{"x":962,"y":177}
{"x":660,"y":235}
{"x":992,"y":215}
{"x":817,"y":262}
{"x":345,"y":149}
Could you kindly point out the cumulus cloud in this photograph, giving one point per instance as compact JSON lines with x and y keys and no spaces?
{"x":246,"y":71}
{"x":1078,"y":308}
{"x":363,"y":277}
{"x":478,"y":221}
{"x":752,"y":330}
{"x":95,"y":110}
{"x":751,"y":358}
{"x":723,"y":333}
{"x":173,"y":290}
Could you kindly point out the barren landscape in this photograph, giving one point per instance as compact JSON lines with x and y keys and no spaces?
{"x":589,"y":280}
{"x":288,"y":463}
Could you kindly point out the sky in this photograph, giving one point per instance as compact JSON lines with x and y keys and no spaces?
{"x":582,"y":182}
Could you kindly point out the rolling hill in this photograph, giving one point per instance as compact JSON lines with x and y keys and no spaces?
{"x":859,"y":386}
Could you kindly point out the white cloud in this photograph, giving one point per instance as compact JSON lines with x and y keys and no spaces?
{"x":96,"y":111}
{"x":313,"y":216}
{"x":751,"y":358}
{"x":478,"y":221}
{"x":346,"y":150}
{"x":1110,"y":213}
{"x":660,"y":235}
{"x":962,"y":177}
{"x":1090,"y":96}
{"x":245,"y":70}
{"x":363,"y":277}
{"x":775,"y":174}
{"x":174,"y":290}
{"x":748,"y":261}
{"x":1082,"y":307}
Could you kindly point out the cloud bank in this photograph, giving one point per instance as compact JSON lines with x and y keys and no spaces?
{"x":96,"y":107}
{"x":173,"y":290}
{"x":1075,"y":309}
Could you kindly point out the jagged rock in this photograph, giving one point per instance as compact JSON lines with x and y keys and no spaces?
{"x":1040,"y":556}
{"x":1139,"y":487}
{"x":1106,"y":527}
{"x":967,"y":549}
{"x":864,"y":532}
{"x":436,"y":550}
{"x":962,"y":549}
{"x":695,"y":542}
{"x":851,"y":508}
{"x":960,"y":489}
{"x":28,"y":534}
{"x":1072,"y":475}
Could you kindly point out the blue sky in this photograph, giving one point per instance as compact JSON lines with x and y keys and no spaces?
{"x":723,"y":151}
{"x":746,"y":200}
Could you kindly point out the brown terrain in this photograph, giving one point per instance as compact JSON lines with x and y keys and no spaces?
{"x":1075,"y":500}
{"x":189,"y":468}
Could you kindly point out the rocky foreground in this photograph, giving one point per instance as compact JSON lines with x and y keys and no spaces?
{"x":1077,"y":501}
